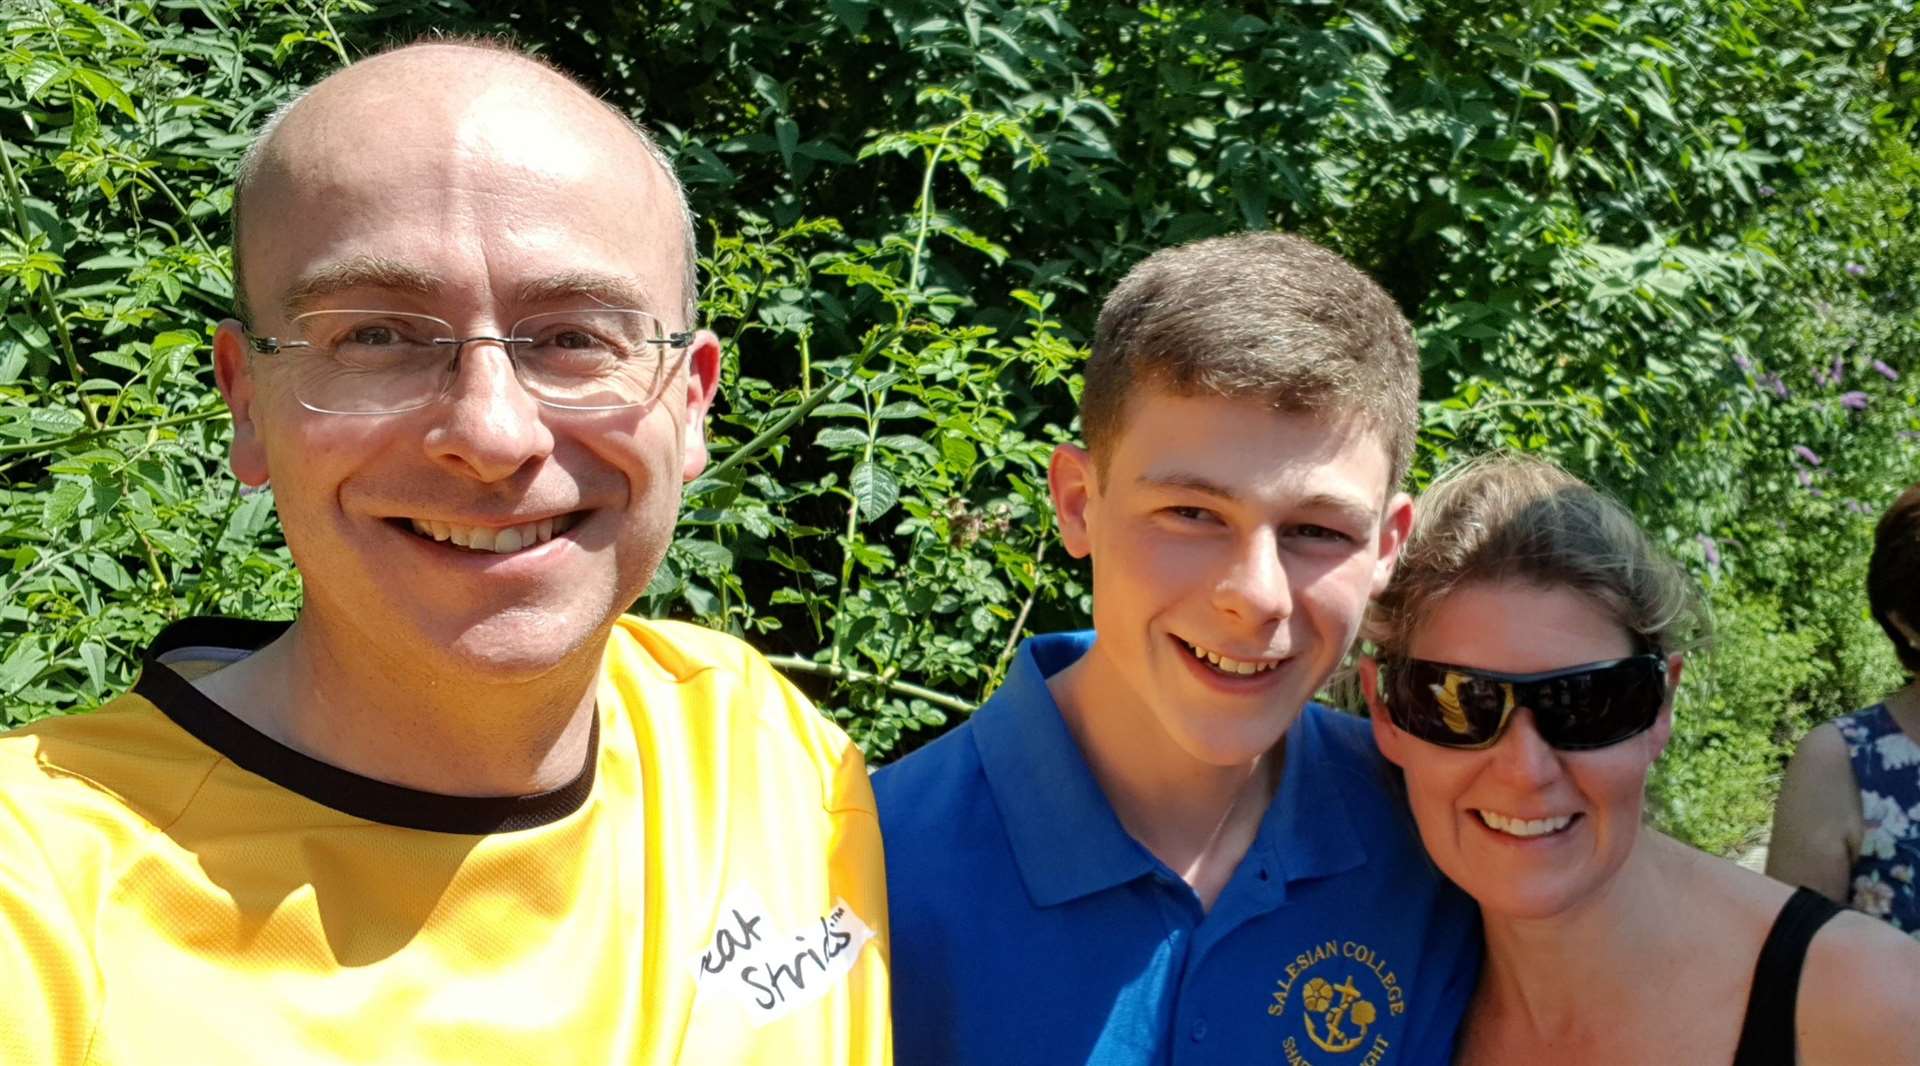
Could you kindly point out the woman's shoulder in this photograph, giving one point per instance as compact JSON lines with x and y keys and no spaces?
{"x":1857,"y":994}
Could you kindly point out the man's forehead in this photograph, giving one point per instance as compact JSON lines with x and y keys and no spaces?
{"x":367,"y":183}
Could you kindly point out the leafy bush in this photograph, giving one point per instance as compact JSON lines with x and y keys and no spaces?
{"x":1630,"y":234}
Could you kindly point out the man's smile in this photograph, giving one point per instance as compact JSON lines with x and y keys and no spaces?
{"x":500,"y":540}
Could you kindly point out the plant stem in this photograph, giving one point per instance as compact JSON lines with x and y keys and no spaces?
{"x":74,"y":438}
{"x":843,"y":673}
{"x":779,"y":428}
{"x":846,"y":542}
{"x":926,"y":211}
{"x":19,"y":198}
{"x":1019,"y":623}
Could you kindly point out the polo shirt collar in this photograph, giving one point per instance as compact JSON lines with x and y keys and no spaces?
{"x":1066,"y":839}
{"x":1308,"y":831}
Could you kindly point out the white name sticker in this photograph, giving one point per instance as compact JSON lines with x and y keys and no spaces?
{"x":772,"y":971}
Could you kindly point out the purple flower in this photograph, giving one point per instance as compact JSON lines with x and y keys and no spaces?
{"x":1854,"y":400}
{"x":1855,"y":270}
{"x":1815,"y":493}
{"x":1709,"y":549}
{"x":1767,"y":190}
{"x":1772,"y":381}
{"x":1839,"y":370}
{"x":1886,"y":371}
{"x":1745,"y":364}
{"x":1806,"y":455}
{"x":1806,"y":478}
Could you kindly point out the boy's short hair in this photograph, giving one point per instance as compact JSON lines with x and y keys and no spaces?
{"x":1262,"y":315}
{"x":1893,"y":574}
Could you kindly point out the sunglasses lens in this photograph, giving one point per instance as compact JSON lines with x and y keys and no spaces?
{"x":1596,"y":708}
{"x":1445,"y":706}
{"x":1576,"y":710}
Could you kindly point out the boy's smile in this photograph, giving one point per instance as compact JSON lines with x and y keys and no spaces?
{"x":1234,"y":550}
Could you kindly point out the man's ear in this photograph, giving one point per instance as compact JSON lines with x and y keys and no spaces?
{"x":703,"y":382}
{"x":1071,"y":481}
{"x":1386,"y":736}
{"x":1396,"y":522}
{"x":233,"y":372}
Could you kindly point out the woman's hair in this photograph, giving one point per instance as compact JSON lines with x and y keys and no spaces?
{"x":1893,"y":573}
{"x":1510,"y":518}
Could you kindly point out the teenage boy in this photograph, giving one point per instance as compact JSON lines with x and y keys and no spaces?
{"x":1148,"y":846}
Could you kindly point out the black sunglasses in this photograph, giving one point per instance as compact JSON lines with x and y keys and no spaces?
{"x":1576,"y":709}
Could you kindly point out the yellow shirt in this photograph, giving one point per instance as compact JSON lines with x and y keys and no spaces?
{"x":176,"y":887}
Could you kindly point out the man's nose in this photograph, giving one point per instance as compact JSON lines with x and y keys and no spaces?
{"x":487,"y":426}
{"x":1255,"y":587}
{"x":1521,"y":755}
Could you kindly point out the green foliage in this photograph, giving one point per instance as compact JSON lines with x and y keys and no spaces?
{"x":1629,"y":234}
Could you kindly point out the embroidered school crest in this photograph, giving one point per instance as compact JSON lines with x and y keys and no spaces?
{"x":1333,"y":998}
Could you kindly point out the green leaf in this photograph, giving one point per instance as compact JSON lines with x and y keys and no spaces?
{"x":707,"y":555}
{"x":834,"y":438}
{"x":1571,"y":74}
{"x":106,"y":90}
{"x":23,"y":663}
{"x":874,"y":489}
{"x":170,"y":350}
{"x":787,"y":133}
{"x":62,"y":504}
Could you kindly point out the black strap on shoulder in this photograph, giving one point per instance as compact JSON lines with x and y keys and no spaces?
{"x":1767,"y":1037}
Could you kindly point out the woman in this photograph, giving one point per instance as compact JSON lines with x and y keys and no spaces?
{"x":1848,"y":822}
{"x":1527,"y":652}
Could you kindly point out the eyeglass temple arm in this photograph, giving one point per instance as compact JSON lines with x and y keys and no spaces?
{"x":273,"y":345}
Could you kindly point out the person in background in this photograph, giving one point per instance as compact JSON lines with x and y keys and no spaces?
{"x":1525,"y":660}
{"x":461,"y":810}
{"x":1848,"y":820}
{"x":1150,"y":846}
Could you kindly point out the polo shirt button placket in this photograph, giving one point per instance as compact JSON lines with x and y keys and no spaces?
{"x":1199,"y":1030}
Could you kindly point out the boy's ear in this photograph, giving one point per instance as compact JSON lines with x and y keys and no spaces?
{"x":1386,"y":736}
{"x":1070,"y":481}
{"x":1396,"y":522}
{"x":233,"y":372}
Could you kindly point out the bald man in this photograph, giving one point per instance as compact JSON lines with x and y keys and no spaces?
{"x":462,"y":810}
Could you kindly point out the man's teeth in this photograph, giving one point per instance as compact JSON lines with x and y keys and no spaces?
{"x":1230,"y":666}
{"x":1524,"y":827}
{"x":497,"y":540}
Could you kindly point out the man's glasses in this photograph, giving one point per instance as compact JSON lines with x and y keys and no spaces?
{"x":1577,"y":709}
{"x":385,"y":362}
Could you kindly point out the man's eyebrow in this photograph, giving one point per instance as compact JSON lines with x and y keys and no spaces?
{"x":1345,"y":506}
{"x":1188,"y":482}
{"x":610,"y":290}
{"x":359,"y":272}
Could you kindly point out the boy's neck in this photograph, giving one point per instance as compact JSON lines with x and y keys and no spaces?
{"x":1196,"y":817}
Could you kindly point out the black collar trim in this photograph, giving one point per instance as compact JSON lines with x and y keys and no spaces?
{"x":342,"y":790}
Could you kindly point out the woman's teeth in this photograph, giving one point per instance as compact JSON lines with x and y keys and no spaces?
{"x":1525,"y":827}
{"x":1230,"y":666}
{"x":499,"y":540}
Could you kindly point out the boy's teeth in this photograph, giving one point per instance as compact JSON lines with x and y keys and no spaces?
{"x":487,"y":539}
{"x":1524,"y":827}
{"x":1230,"y":666}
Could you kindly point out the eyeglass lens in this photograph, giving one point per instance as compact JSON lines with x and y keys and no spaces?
{"x":375,"y":362}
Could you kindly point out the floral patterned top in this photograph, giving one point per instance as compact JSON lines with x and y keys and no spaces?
{"x":1886,"y":765}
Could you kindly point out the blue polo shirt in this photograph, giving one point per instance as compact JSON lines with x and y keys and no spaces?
{"x":1029,"y":927}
